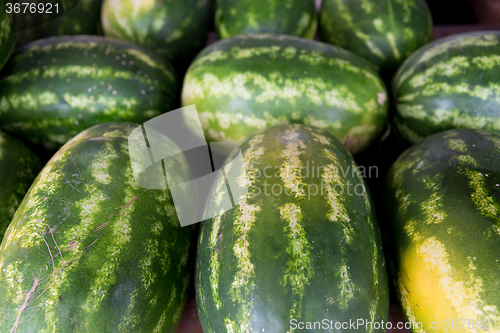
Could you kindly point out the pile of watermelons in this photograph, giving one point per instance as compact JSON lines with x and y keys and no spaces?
{"x":86,"y":249}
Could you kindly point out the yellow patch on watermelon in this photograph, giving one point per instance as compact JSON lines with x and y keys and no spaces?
{"x":431,"y":292}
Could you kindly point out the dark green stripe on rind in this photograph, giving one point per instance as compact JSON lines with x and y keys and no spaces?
{"x":452,"y":83}
{"x":279,"y":256}
{"x":18,"y":168}
{"x":383,"y":32}
{"x":88,"y":250}
{"x":56,"y":87}
{"x":7,"y":37}
{"x":248,"y":82}
{"x":291,"y":17}
{"x":443,"y":204}
{"x":176,"y":30}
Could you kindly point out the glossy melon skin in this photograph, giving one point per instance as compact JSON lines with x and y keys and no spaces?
{"x":443,"y":235}
{"x":177,"y":30}
{"x":56,"y":87}
{"x":383,"y":32}
{"x":291,"y":17}
{"x":89,"y":250}
{"x":450,"y":83}
{"x":287,"y":252}
{"x":7,"y":36}
{"x":249,"y":82}
{"x":19,"y":166}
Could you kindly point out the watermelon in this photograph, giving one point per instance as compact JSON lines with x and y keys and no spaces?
{"x":383,"y":32}
{"x":18,"y":168}
{"x":84,"y":18}
{"x":248,"y":82}
{"x":443,"y":227}
{"x":177,"y":30}
{"x":302,"y":245}
{"x":450,"y":83}
{"x":90,"y":251}
{"x":57,"y":87}
{"x":7,"y":37}
{"x":291,"y":17}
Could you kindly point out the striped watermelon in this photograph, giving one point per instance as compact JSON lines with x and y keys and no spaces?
{"x":57,"y":87}
{"x":443,"y":200}
{"x":7,"y":37}
{"x":383,"y":32}
{"x":291,"y":17}
{"x":90,"y":251}
{"x":84,"y":18}
{"x":176,"y":30}
{"x":452,"y":83}
{"x":301,"y":246}
{"x":18,"y":168}
{"x":249,"y":82}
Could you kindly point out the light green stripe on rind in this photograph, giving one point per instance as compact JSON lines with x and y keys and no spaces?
{"x":242,"y":284}
{"x":299,"y":270}
{"x":433,"y":206}
{"x":215,"y":262}
{"x":482,"y":197}
{"x":334,"y":186}
{"x":292,"y":165}
{"x":274,"y":88}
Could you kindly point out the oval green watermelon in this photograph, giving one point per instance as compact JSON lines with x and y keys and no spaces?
{"x":57,"y":87}
{"x":7,"y":37}
{"x":451,"y":83}
{"x":443,"y":204}
{"x":90,"y":251}
{"x":176,"y":30}
{"x":291,"y":17}
{"x":248,"y":82}
{"x":383,"y":32}
{"x":301,"y":246}
{"x":18,"y":168}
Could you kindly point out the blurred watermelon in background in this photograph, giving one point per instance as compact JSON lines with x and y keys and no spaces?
{"x":291,"y":17}
{"x":84,"y":18}
{"x":176,"y":30}
{"x":383,"y":32}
